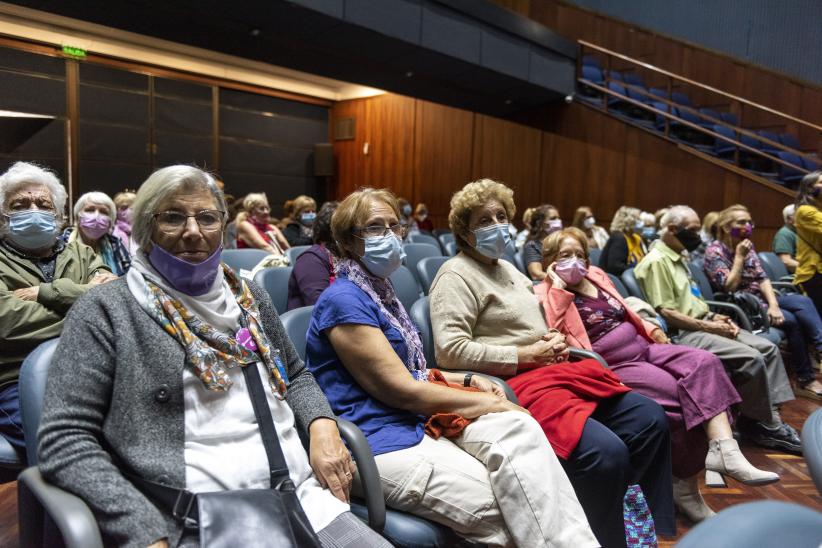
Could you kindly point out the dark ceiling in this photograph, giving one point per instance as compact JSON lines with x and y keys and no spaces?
{"x":465,"y":53}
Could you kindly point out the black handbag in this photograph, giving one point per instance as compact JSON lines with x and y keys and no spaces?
{"x":251,"y":518}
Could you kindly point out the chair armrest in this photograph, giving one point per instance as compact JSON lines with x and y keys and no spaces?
{"x":367,"y":471}
{"x":785,"y":286}
{"x":582,"y":354}
{"x":509,"y":392}
{"x":734,"y":310}
{"x":70,"y":513}
{"x":786,"y":279}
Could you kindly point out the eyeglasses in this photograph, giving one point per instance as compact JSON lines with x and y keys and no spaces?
{"x":375,"y":231}
{"x":172,"y":222}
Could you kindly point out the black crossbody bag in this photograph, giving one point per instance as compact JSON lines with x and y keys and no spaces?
{"x":251,"y":518}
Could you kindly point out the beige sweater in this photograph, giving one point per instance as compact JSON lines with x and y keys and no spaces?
{"x":481,"y":313}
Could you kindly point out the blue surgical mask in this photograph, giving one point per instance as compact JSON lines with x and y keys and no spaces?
{"x":308,"y":218}
{"x":492,"y":240}
{"x":638,"y":226}
{"x":406,"y":210}
{"x":648,"y":233}
{"x":383,"y":255}
{"x":32,"y":229}
{"x":193,"y":279}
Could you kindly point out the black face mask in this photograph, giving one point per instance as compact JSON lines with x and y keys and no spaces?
{"x":689,"y":239}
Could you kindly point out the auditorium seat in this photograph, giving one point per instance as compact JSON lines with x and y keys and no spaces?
{"x":634,"y":79}
{"x":632,"y":284}
{"x":242,"y":259}
{"x":812,"y":446}
{"x":437,"y":232}
{"x":451,"y":248}
{"x":620,"y":287}
{"x":789,"y":141}
{"x":729,"y":118}
{"x":427,"y":270}
{"x":406,"y":285}
{"x":593,"y":256}
{"x":293,"y":252}
{"x":681,"y":99}
{"x":789,"y":175}
{"x":414,"y":253}
{"x":444,"y":239}
{"x":275,"y":283}
{"x":724,"y":149}
{"x":710,"y":117}
{"x":420,"y":238}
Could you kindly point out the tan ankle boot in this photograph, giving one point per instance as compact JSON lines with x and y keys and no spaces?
{"x":689,"y":500}
{"x":725,"y":458}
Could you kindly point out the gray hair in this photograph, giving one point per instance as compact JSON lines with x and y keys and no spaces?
{"x":22,"y":173}
{"x":96,"y":197}
{"x":625,"y":218}
{"x":162,"y":184}
{"x":647,"y":218}
{"x":675,"y":216}
{"x":788,"y":211}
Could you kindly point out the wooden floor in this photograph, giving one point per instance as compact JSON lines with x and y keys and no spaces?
{"x":795,"y":486}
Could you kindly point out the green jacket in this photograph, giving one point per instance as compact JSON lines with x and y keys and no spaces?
{"x":25,"y":324}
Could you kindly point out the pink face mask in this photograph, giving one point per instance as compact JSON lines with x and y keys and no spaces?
{"x":94,"y":225}
{"x":571,"y":270}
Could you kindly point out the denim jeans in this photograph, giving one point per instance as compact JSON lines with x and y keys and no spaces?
{"x":11,"y":425}
{"x":803,"y":327}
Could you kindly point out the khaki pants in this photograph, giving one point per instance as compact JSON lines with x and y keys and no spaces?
{"x":498,"y":483}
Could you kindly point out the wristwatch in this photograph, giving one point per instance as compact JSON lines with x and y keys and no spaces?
{"x":467,"y":380}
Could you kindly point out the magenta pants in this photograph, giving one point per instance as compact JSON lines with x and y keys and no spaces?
{"x":689,"y":383}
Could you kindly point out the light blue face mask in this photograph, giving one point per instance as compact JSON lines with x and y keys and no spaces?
{"x":492,"y":240}
{"x":383,"y":255}
{"x":308,"y":218}
{"x":638,"y":226}
{"x":32,"y":229}
{"x":649,"y":233}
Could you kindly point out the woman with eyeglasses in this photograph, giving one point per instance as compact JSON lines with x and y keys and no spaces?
{"x":159,"y":407}
{"x":254,"y":227}
{"x":731,"y":264}
{"x":492,"y":476}
{"x":486,"y":318}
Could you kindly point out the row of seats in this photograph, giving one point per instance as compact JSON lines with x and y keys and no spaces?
{"x":631,"y":85}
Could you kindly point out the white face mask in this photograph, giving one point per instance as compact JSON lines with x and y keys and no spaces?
{"x":589,"y":222}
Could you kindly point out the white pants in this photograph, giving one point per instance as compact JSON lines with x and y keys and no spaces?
{"x":498,"y":483}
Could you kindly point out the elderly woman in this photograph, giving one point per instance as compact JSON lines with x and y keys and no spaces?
{"x":690,"y":384}
{"x":160,"y":406}
{"x":585,"y":221}
{"x":625,"y":247}
{"x":94,"y":218}
{"x":314,"y":268}
{"x":808,"y":224}
{"x":496,"y":480}
{"x":544,"y":220}
{"x":731,"y":264}
{"x":254,"y":228}
{"x":122,"y":227}
{"x":40,"y":276}
{"x":299,"y":231}
{"x":485,"y":318}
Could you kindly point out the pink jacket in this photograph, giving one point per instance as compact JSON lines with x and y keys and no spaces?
{"x":562,"y":315}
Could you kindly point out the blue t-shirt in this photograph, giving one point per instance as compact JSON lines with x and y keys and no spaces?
{"x":386,"y":428}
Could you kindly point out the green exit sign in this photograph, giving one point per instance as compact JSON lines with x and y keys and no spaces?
{"x":74,"y":51}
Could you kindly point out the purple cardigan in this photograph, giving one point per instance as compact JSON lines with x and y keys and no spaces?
{"x":311,"y":275}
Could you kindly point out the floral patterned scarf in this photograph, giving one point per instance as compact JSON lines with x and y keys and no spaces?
{"x":382,"y":293}
{"x":210,"y":351}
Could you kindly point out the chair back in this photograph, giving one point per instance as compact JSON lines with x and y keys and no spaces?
{"x":275,"y":283}
{"x":295,"y":323}
{"x":427,"y":270}
{"x":437,"y":232}
{"x":812,"y":446}
{"x":773,"y":265}
{"x":519,"y":262}
{"x":420,"y":238}
{"x":632,"y":284}
{"x":32,"y":383}
{"x":701,"y":280}
{"x":406,"y":286}
{"x":242,"y":259}
{"x":451,"y":248}
{"x":421,"y":316}
{"x":444,"y":239}
{"x":593,"y":256}
{"x":417,"y":252}
{"x":620,"y":287}
{"x":293,"y":252}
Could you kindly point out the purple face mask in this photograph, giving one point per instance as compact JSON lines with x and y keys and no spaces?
{"x":571,"y":270}
{"x":740,"y":233}
{"x":125,"y":215}
{"x":193,"y":279}
{"x":94,"y":225}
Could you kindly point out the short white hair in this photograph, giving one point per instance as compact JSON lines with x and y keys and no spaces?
{"x":675,"y":216}
{"x":647,"y":218}
{"x":160,"y":185}
{"x":23,"y":173}
{"x":788,"y":211}
{"x":96,"y":197}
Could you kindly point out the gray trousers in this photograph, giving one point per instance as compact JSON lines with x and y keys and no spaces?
{"x":754,"y":365}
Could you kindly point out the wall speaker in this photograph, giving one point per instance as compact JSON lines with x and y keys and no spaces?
{"x":323,"y":160}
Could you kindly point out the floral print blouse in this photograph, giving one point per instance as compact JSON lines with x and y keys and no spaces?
{"x":599,"y":314}
{"x":719,"y":260}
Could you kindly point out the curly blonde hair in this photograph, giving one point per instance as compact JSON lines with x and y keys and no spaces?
{"x":625,"y":219}
{"x":474,"y":194}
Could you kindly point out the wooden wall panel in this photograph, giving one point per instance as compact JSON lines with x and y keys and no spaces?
{"x":349,"y":162}
{"x":443,"y":150}
{"x":390,"y":138}
{"x":509,"y":153}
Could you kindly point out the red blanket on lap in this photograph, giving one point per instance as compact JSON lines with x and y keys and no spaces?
{"x":561,"y":397}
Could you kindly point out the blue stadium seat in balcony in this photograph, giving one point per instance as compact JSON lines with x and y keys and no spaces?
{"x":729,"y":118}
{"x":710,"y":117}
{"x":787,"y":174}
{"x":633,"y":79}
{"x":754,"y":162}
{"x":767,"y":147}
{"x":810,"y":165}
{"x":664,"y":107}
{"x":591,"y":61}
{"x":615,"y":75}
{"x":592,"y":74}
{"x":681,"y":99}
{"x":724,"y":149}
{"x":693,"y":136}
{"x":659,"y":92}
{"x":789,"y":141}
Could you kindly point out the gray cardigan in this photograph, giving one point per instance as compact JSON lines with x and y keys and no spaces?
{"x":115,"y":392}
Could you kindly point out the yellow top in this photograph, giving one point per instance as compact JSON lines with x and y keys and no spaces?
{"x":808,"y":243}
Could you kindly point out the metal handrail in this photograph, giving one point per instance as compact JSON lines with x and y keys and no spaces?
{"x":697,"y":84}
{"x":686,"y":123}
